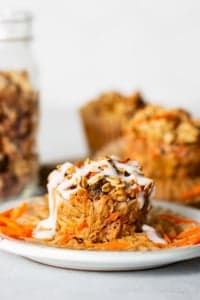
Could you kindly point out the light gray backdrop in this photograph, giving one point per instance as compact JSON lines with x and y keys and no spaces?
{"x":84,"y":47}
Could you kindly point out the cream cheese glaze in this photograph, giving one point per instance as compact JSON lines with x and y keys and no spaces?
{"x":61,"y":185}
{"x":152,"y":234}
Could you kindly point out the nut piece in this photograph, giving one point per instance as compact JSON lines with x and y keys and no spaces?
{"x":106,"y":188}
{"x":83,"y":182}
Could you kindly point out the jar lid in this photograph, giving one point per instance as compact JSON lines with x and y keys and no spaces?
{"x":15,"y":25}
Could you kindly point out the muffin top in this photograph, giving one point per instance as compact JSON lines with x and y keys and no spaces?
{"x":104,"y":174}
{"x":169,"y":126}
{"x":115,"y":104}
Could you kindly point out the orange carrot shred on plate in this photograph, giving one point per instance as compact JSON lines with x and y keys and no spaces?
{"x":189,"y":232}
{"x":194,"y":192}
{"x":8,"y":232}
{"x":188,"y":241}
{"x":177,"y":220}
{"x":9,"y":223}
{"x":65,"y":238}
{"x":160,"y":245}
{"x":116,"y":245}
{"x":6,"y":213}
{"x":15,"y":212}
{"x":14,"y":228}
{"x":19,"y":210}
{"x":167,"y":238}
{"x":11,"y":232}
{"x":23,"y":233}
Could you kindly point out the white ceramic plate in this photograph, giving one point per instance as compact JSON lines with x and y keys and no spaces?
{"x":104,"y":260}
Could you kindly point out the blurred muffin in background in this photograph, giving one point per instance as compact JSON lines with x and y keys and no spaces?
{"x":103,"y":118}
{"x":167,"y":144}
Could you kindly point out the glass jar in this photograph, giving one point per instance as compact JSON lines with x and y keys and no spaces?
{"x":18,"y":106}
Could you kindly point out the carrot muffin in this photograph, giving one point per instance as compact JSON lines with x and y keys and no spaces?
{"x":108,"y":198}
{"x":167,"y":144}
{"x":104,"y":117}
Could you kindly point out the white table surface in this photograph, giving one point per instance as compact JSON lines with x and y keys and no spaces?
{"x":21,"y":279}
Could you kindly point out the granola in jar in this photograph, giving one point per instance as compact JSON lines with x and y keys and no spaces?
{"x":18,"y":129}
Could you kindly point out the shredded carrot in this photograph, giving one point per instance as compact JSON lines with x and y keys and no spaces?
{"x":23,"y":232}
{"x":112,"y":217}
{"x":167,"y":238}
{"x":8,"y":232}
{"x":82,"y":225}
{"x":177,"y":220}
{"x":19,"y":210}
{"x":189,"y":232}
{"x":65,"y":238}
{"x":79,"y":163}
{"x":116,"y":245}
{"x":9,"y":223}
{"x":123,"y":161}
{"x":9,"y":226}
{"x":6,"y":213}
{"x":194,"y":192}
{"x":14,"y":228}
{"x":192,"y":240}
{"x":154,"y":153}
{"x":160,"y":245}
{"x":15,"y":212}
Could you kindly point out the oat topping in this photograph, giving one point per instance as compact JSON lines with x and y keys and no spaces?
{"x":115,"y":103}
{"x":167,"y":125}
{"x":106,"y":115}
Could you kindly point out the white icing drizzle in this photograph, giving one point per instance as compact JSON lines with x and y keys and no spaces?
{"x":61,"y":188}
{"x":152,"y":234}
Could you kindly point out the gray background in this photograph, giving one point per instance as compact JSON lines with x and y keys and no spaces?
{"x":85,"y":47}
{"x":22,"y":279}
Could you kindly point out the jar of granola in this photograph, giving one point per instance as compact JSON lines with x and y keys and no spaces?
{"x":18,"y":106}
